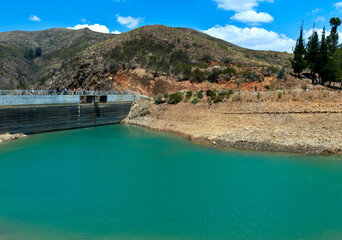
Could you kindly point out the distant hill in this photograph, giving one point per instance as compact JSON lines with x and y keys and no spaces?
{"x":94,"y":60}
{"x":57,"y":45}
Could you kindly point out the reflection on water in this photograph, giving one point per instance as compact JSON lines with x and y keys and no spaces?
{"x":125,"y":182}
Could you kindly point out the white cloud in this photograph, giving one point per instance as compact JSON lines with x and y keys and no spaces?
{"x":34,"y":18}
{"x":94,"y":27}
{"x":245,"y":10}
{"x":115,"y":32}
{"x":129,"y":22}
{"x":84,"y":20}
{"x":320,"y":19}
{"x":316,"y":10}
{"x":253,"y":38}
{"x":252,"y":17}
{"x":239,"y":5}
{"x":338,"y":5}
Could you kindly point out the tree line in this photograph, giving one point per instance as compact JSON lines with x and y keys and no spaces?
{"x":323,"y":56}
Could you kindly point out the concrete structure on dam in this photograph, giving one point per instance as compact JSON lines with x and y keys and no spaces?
{"x":42,"y":113}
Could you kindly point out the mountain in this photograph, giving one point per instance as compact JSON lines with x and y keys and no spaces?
{"x":130,"y":61}
{"x":20,"y":62}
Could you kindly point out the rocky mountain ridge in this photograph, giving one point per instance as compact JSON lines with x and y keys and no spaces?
{"x":150,"y":59}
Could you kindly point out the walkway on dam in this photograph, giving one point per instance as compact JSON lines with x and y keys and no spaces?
{"x":48,"y":97}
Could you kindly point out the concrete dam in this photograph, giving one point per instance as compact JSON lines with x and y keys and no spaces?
{"x":30,"y":114}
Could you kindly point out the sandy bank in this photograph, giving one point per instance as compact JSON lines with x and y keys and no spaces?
{"x":302,"y":127}
{"x":9,"y":137}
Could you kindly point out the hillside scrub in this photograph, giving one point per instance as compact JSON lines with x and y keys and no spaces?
{"x":175,"y":98}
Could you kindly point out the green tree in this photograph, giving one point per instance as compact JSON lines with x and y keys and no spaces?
{"x":332,"y":40}
{"x":323,"y":59}
{"x":298,"y":63}
{"x":198,"y":75}
{"x":38,"y":52}
{"x":312,"y":53}
{"x":337,"y":65}
{"x":29,"y":54}
{"x":214,"y":75}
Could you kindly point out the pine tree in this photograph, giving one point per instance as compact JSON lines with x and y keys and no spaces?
{"x":312,"y":53}
{"x":337,"y":65}
{"x":332,"y":40}
{"x":323,"y":59}
{"x":298,"y":62}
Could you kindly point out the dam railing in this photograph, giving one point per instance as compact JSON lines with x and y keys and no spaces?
{"x":67,"y":92}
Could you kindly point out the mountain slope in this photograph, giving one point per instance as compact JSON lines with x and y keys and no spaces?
{"x":18,"y":68}
{"x":134,"y":60}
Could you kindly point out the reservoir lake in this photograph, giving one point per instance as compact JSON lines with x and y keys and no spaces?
{"x":125,"y":182}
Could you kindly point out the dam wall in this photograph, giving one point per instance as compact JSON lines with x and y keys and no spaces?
{"x":36,"y":114}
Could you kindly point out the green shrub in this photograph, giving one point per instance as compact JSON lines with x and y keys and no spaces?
{"x":214,"y":75}
{"x":239,"y":65}
{"x":187,"y":73}
{"x":210,"y":94}
{"x":175,"y":98}
{"x":195,"y":99}
{"x":188,"y":94}
{"x":273,"y":69}
{"x":280,"y":95}
{"x":206,"y":58}
{"x":229,"y":70}
{"x":219,"y":98}
{"x":281,"y":73}
{"x":258,"y":96}
{"x":198,"y":75}
{"x":199,"y":94}
{"x":250,"y":76}
{"x":227,"y":60}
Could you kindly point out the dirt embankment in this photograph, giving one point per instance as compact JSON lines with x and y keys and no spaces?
{"x":9,"y":137}
{"x":305,"y":126}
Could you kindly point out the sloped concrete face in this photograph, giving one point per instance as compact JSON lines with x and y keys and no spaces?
{"x":43,"y":113}
{"x":45,"y":118}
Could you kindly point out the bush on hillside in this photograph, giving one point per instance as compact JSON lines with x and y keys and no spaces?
{"x":229,"y":71}
{"x":206,"y":58}
{"x":227,"y":60}
{"x":214,"y":75}
{"x":210,"y":94}
{"x":175,"y":98}
{"x":195,"y":99}
{"x":197,"y":75}
{"x":188,"y":94}
{"x":199,"y":94}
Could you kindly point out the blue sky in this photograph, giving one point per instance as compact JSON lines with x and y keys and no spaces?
{"x":256,"y":24}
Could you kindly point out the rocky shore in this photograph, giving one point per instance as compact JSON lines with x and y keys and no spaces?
{"x":300,"y":127}
{"x":9,"y":137}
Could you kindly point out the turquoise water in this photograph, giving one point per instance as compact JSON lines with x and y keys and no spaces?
{"x":124,"y":182}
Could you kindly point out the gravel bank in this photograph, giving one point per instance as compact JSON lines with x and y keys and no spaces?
{"x":301,"y":127}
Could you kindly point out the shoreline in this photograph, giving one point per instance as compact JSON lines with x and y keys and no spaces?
{"x":265,"y":131}
{"x":245,"y":146}
{"x":11,"y":137}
